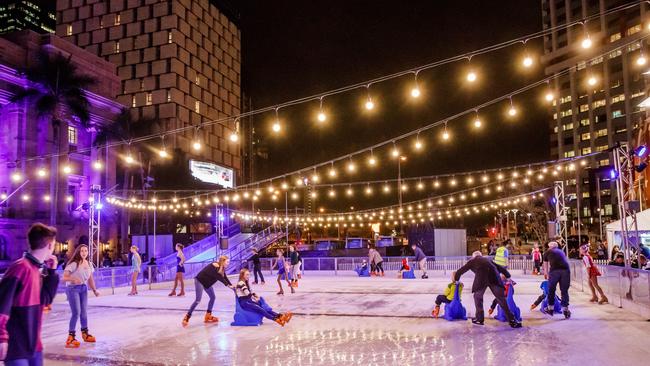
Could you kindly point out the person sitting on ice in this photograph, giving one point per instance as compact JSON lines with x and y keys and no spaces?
{"x":250,"y":301}
{"x":507,"y":285}
{"x":405,"y":267}
{"x":448,"y":295}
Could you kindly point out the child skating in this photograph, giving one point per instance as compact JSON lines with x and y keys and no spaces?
{"x":136,"y":263}
{"x":250,"y":301}
{"x":180,"y":270}
{"x":283,"y":271}
{"x":204,"y":281}
{"x":405,"y":267}
{"x":448,"y":295}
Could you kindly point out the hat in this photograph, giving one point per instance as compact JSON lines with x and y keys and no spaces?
{"x":552,"y":244}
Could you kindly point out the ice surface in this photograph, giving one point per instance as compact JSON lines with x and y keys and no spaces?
{"x":346,"y":320}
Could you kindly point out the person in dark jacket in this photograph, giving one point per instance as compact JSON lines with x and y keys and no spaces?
{"x":421,"y":259}
{"x":257,"y":266}
{"x":28,"y":285}
{"x":294,"y":262}
{"x":557,"y":270}
{"x":203,"y":281}
{"x":486,"y":274}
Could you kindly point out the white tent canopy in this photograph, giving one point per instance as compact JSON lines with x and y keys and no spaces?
{"x":613,"y":229}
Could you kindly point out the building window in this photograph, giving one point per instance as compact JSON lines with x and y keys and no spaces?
{"x":601,"y":132}
{"x":603,"y":162}
{"x":608,"y":210}
{"x":72,"y":135}
{"x":586,"y":212}
{"x":566,"y":113}
{"x":585,"y":194}
{"x":599,"y":103}
{"x":142,"y":84}
{"x":554,"y":115}
{"x":581,"y":65}
{"x":615,"y":37}
{"x":567,"y":127}
{"x":584,"y":122}
{"x":101,"y":24}
{"x":169,"y":96}
{"x":585,"y":136}
{"x":117,"y":47}
{"x":634,"y":47}
{"x":197,"y":107}
{"x":555,"y":129}
{"x":117,"y":19}
{"x":601,"y":148}
{"x":605,"y":192}
{"x":597,"y":60}
{"x":133,"y":103}
{"x":584,"y":107}
{"x":68,"y":29}
{"x":621,"y":130}
{"x":149,"y":100}
{"x":169,"y":37}
{"x":618,"y":98}
{"x":617,"y":113}
{"x":197,"y":80}
{"x":586,"y":150}
{"x":636,"y":29}
{"x":638,"y":94}
{"x":615,"y":54}
{"x":565,"y":99}
{"x":569,"y":154}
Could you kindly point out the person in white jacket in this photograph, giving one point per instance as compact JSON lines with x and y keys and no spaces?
{"x":376,"y":262}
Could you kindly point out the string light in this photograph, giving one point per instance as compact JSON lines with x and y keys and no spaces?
{"x":395,"y":151}
{"x":512,"y":111}
{"x":234,"y":135}
{"x":41,"y":172}
{"x":97,"y":165}
{"x":16,"y":177}
{"x":321,"y":117}
{"x":67,"y":169}
{"x":332,"y":171}
{"x":351,"y":166}
{"x":586,"y":42}
{"x":641,"y":60}
{"x":592,"y":80}
{"x":276,"y":124}
{"x":129,"y":159}
{"x":369,"y":103}
{"x":528,"y":61}
{"x":372,"y":161}
{"x":415,"y":92}
{"x":477,"y":121}
{"x":196,"y":145}
{"x":445,"y":133}
{"x":418,"y":144}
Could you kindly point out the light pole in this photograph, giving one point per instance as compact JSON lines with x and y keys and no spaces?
{"x":400,"y":159}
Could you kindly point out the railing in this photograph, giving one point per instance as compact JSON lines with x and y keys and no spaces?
{"x":198,"y":247}
{"x":242,"y":253}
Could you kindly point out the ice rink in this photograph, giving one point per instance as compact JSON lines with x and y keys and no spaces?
{"x":346,"y":320}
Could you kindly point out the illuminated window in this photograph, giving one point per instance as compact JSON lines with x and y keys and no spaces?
{"x":569,"y":154}
{"x":169,"y":37}
{"x":72,"y":135}
{"x":567,"y":127}
{"x":585,"y":136}
{"x":597,"y":60}
{"x":197,"y":80}
{"x":634,"y":47}
{"x":197,"y":107}
{"x":133,"y":103}
{"x":581,"y":65}
{"x":149,"y":99}
{"x":555,"y":129}
{"x":615,"y":37}
{"x":601,"y":148}
{"x":566,"y":113}
{"x":615,"y":54}
{"x":586,"y":150}
{"x":630,"y":31}
{"x":169,"y":96}
{"x":584,"y":122}
{"x":601,"y":132}
{"x":603,"y":162}
{"x":117,"y":19}
{"x":608,"y":209}
{"x":554,"y":115}
{"x":618,"y":98}
{"x":584,"y":107}
{"x":117,"y":47}
{"x":68,"y":30}
{"x":599,"y":103}
{"x":617,"y":113}
{"x":565,"y":99}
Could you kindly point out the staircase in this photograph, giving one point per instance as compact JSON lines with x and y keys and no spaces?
{"x":240,"y":254}
{"x":206,"y":244}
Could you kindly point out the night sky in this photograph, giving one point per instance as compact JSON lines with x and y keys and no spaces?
{"x":292,"y":49}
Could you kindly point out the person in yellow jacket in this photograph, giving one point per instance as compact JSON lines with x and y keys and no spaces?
{"x":501,"y":255}
{"x":448,"y":295}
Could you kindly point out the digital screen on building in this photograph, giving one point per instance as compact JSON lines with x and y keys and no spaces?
{"x":212,"y":173}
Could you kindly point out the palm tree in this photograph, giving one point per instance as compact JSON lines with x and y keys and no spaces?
{"x":57,"y":93}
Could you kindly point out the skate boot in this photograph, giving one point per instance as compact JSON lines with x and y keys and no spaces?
{"x":71,"y":342}
{"x":181,"y":294}
{"x":281,"y":292}
{"x":436,"y":312}
{"x":515,"y":324}
{"x":490,"y":311}
{"x":293,"y":291}
{"x":280,"y":320}
{"x":549,"y":310}
{"x":173,"y":293}
{"x":87,"y":337}
{"x":604,"y":300}
{"x":425,"y":276}
{"x":209,"y":318}
{"x":186,"y":320}
{"x":533,"y":306}
{"x":287,"y":317}
{"x":567,"y":313}
{"x":594,"y":299}
{"x":477,"y":322}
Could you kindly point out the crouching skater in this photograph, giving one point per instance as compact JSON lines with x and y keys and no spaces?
{"x":249,"y":301}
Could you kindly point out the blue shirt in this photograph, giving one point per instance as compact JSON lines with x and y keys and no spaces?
{"x":419,"y":254}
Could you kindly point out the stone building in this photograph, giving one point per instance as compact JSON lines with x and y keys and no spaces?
{"x":26,"y":142}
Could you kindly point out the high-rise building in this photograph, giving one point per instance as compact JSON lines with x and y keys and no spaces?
{"x":179,"y":61}
{"x":36,"y":15}
{"x":596,"y":105}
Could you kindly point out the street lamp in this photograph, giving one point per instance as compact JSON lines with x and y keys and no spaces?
{"x":399,"y":187}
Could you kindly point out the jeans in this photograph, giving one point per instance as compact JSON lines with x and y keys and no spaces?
{"x":500,"y":298}
{"x":198,"y":289}
{"x":423,"y":265}
{"x":78,"y":300}
{"x":379,"y":267}
{"x":563,"y":277}
{"x":36,"y":360}
{"x":249,"y":305}
{"x":442,"y":299}
{"x":258,"y":270}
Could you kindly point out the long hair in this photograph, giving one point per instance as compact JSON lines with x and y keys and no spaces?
{"x":76,"y":256}
{"x":242,"y":273}
{"x":222,"y":264}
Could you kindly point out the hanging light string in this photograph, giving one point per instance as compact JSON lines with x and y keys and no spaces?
{"x":364,"y":84}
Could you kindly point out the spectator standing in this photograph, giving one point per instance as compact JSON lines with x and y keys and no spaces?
{"x":501,"y":255}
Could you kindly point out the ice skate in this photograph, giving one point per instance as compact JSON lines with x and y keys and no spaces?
{"x":594,"y":299}
{"x":490,"y":311}
{"x":425,"y":276}
{"x":603,"y":300}
{"x":436,"y":312}
{"x":71,"y":342}
{"x":477,"y":322}
{"x":515,"y":324}
{"x":87,"y":337}
{"x":287,"y":317}
{"x":533,"y":306}
{"x":181,"y":294}
{"x":549,"y":310}
{"x":567,"y":313}
{"x":186,"y":320}
{"x":293,"y":291}
{"x":209,"y":318}
{"x":173,"y":293}
{"x":279,"y":320}
{"x":281,"y":292}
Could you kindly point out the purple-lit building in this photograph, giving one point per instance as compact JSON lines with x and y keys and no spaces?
{"x":38,"y":190}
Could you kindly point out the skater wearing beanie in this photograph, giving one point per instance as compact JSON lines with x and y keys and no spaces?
{"x":78,"y":276}
{"x":204,"y":281}
{"x":250,"y":301}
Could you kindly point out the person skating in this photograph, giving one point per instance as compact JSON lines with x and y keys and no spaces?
{"x":405,"y":267}
{"x":136,"y":263}
{"x":421,"y":259}
{"x":209,"y":275}
{"x":294,"y":261}
{"x":377,"y":262}
{"x":283,"y":271}
{"x":78,"y":275}
{"x":537,"y":260}
{"x":257,"y":266}
{"x":251,"y":302}
{"x":448,"y":295}
{"x":557,"y":270}
{"x":593,"y":273}
{"x":27,"y":286}
{"x":486,"y":275}
{"x":507,"y":284}
{"x":180,"y":270}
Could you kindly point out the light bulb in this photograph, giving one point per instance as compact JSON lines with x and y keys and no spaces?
{"x":395,"y":152}
{"x":97,"y":165}
{"x":16,"y":177}
{"x":471,"y":76}
{"x":25,"y":197}
{"x":129,"y":159}
{"x":549,"y":96}
{"x":67,"y":169}
{"x":592,"y":81}
{"x":349,"y":192}
{"x":418,"y":145}
{"x":163,"y":153}
{"x":415,"y":92}
{"x":528,"y":61}
{"x":477,"y":123}
{"x":322,"y":117}
{"x":370,"y":104}
{"x":372,"y":161}
{"x":315,"y":178}
{"x":41,"y":172}
{"x":276,"y":127}
{"x":46,"y":198}
{"x":641,"y":60}
{"x":3,"y":196}
{"x":332,"y":193}
{"x":351,"y":167}
{"x":512,"y":111}
{"x":445,"y":135}
{"x":586,"y":43}
{"x":368,"y":190}
{"x":196,"y":145}
{"x":332,"y":172}
{"x":234,"y":137}
{"x":68,"y":199}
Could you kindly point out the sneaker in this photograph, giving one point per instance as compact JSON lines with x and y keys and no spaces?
{"x":87,"y":337}
{"x":477,"y":322}
{"x":515,"y":324}
{"x":186,"y":320}
{"x":209,"y":318}
{"x":436,"y":312}
{"x":71,"y":342}
{"x":567,"y":313}
{"x":603,"y":300}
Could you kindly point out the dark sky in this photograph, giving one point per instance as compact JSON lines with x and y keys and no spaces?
{"x":292,"y":49}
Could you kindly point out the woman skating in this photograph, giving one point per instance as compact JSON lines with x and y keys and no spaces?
{"x":203,"y":281}
{"x":251,"y":302}
{"x":180,"y":270}
{"x":78,"y":276}
{"x":283,"y":271}
{"x":593,"y":273}
{"x":136,"y":263}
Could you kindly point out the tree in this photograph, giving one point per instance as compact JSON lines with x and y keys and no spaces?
{"x":57,"y":93}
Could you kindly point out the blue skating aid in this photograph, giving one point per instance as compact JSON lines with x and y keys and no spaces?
{"x":408,"y":274}
{"x":455,"y":309}
{"x":501,"y":315}
{"x":362,"y":271}
{"x":557,"y":305}
{"x":245,"y":318}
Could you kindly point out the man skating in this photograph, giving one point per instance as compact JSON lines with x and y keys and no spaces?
{"x":421,"y":259}
{"x":557,"y":270}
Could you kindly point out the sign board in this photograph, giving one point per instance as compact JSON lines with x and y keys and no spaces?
{"x":212,"y":173}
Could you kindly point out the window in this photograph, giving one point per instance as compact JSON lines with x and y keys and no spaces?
{"x":601,"y":132}
{"x":555,"y":129}
{"x":617,"y":113}
{"x":584,"y":107}
{"x":608,"y":210}
{"x":585,"y":136}
{"x":566,"y":113}
{"x":101,"y":24}
{"x":142,"y":84}
{"x":169,"y":96}
{"x":618,"y":98}
{"x":569,"y":154}
{"x":597,"y":60}
{"x":584,"y":122}
{"x":635,"y":29}
{"x":565,"y":99}
{"x":197,"y":80}
{"x":72,"y":135}
{"x":581,"y":65}
{"x":601,"y":148}
{"x":621,"y":130}
{"x":197,"y":107}
{"x":586,"y":212}
{"x":567,"y":127}
{"x":603,"y":162}
{"x":599,"y":103}
{"x":616,"y":83}
{"x":586,"y":150}
{"x":118,"y":19}
{"x":133,"y":103}
{"x":585,"y":194}
{"x":605,"y":192}
{"x":633,"y":47}
{"x":68,"y":30}
{"x":638,"y":94}
{"x":117,"y":47}
{"x":149,"y":100}
{"x":615,"y":37}
{"x":169,"y":37}
{"x":554,"y":115}
{"x":615,"y":54}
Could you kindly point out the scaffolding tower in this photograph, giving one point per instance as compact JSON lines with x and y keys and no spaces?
{"x":94,"y":224}
{"x":561,"y":211}
{"x":627,"y":203}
